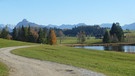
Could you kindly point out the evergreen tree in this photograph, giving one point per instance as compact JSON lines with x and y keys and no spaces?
{"x":106,"y":38}
{"x":15,"y":34}
{"x":113,"y":29}
{"x":117,"y":30}
{"x":25,"y":34}
{"x":19,"y":34}
{"x":114,"y":38}
{"x":41,"y":38}
{"x":119,"y":33}
{"x":34,"y":36}
{"x":4,"y":33}
{"x":22,"y":34}
{"x":29,"y":34}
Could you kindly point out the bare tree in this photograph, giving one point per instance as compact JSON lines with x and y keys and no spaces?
{"x":61,"y":36}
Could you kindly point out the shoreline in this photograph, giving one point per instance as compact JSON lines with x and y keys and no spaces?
{"x":100,"y":44}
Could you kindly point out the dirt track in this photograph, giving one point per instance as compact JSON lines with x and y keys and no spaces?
{"x":21,"y":66}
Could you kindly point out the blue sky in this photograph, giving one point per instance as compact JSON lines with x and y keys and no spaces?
{"x":67,"y":11}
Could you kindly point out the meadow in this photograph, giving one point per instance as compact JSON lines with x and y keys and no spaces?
{"x":130,"y":37}
{"x":73,"y":40}
{"x":109,"y":63}
{"x":9,"y":43}
{"x":106,"y":62}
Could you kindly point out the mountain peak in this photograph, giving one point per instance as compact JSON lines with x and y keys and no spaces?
{"x":26,"y":23}
{"x":24,"y":20}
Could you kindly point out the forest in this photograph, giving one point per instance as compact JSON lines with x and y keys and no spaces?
{"x":49,"y":35}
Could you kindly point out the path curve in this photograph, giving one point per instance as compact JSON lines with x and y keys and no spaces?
{"x":21,"y":66}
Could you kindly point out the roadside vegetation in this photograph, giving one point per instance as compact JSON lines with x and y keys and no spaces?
{"x":109,"y":63}
{"x":3,"y":70}
{"x":9,"y":43}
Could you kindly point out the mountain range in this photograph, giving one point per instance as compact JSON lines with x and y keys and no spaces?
{"x":10,"y":27}
{"x":26,"y":23}
{"x":129,"y":26}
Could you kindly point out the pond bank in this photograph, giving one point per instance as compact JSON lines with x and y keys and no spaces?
{"x":100,"y":44}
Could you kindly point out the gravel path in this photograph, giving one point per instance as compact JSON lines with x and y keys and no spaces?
{"x":21,"y":66}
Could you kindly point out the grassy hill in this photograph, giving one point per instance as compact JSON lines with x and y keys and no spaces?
{"x":109,"y":63}
{"x":8,"y":43}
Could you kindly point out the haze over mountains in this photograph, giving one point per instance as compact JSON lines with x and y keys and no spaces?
{"x":129,"y":26}
{"x":26,"y":23}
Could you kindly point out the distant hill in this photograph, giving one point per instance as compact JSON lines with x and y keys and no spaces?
{"x":10,"y":27}
{"x":66,"y":26}
{"x":129,"y":26}
{"x":1,"y":26}
{"x":90,"y":30}
{"x":26,"y":23}
{"x":107,"y":25}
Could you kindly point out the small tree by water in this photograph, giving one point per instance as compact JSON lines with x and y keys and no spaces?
{"x":106,"y":38}
{"x":81,"y":37}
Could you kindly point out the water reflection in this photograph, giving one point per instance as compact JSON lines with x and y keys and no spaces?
{"x":120,"y":48}
{"x":129,"y":48}
{"x":114,"y":48}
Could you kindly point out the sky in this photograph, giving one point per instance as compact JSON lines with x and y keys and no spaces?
{"x":67,"y":11}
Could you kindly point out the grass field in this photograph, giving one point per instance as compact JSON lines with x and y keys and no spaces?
{"x":109,"y":63}
{"x":3,"y":70}
{"x":73,"y":40}
{"x":130,"y":37}
{"x":7,"y":43}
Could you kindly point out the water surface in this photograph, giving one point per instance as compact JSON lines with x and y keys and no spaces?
{"x":119,"y":48}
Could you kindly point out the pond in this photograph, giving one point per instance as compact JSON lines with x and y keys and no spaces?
{"x":119,"y":48}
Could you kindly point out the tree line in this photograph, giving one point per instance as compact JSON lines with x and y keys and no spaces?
{"x":95,"y":30}
{"x":30,"y":34}
{"x":48,"y":36}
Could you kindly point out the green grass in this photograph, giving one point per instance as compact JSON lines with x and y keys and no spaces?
{"x":109,"y":63}
{"x":3,"y":70}
{"x":9,"y":43}
{"x":73,"y":40}
{"x":130,"y":37}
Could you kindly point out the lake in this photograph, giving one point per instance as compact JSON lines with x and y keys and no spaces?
{"x":119,"y":48}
